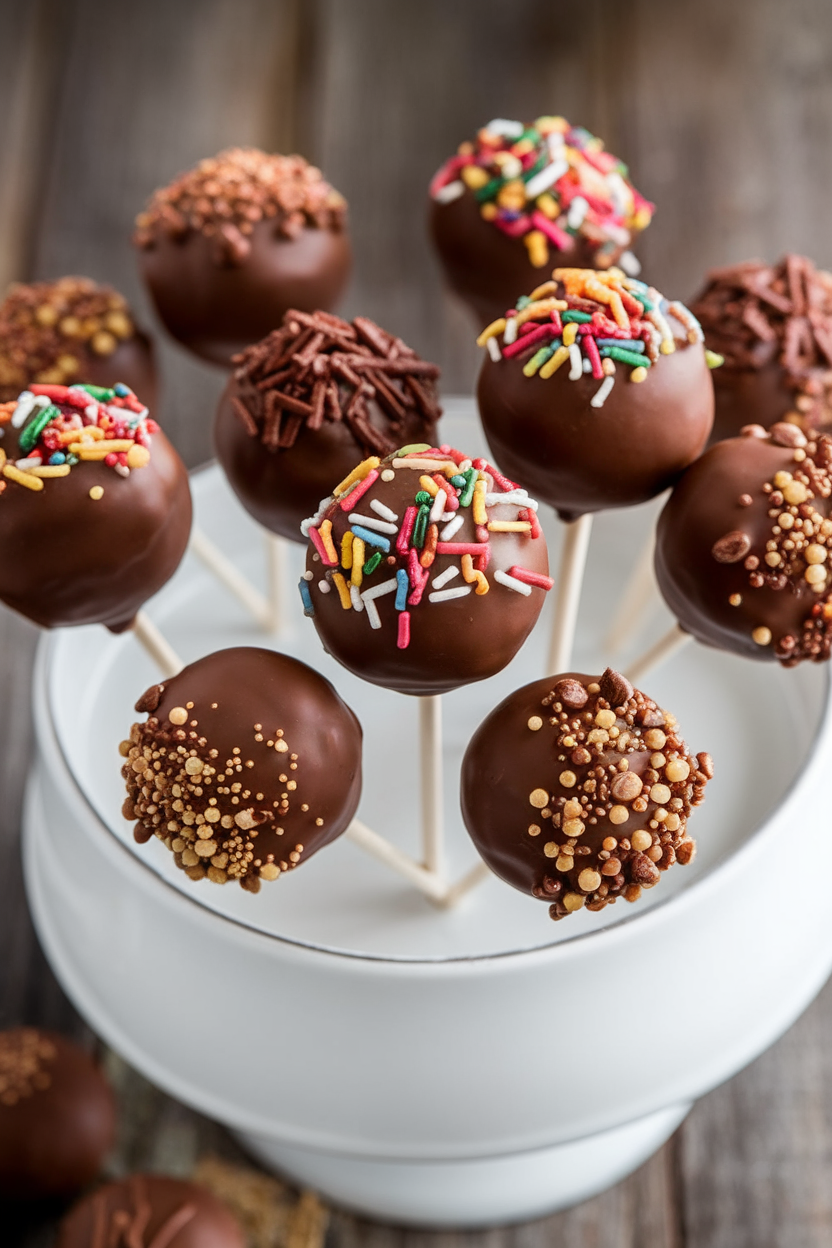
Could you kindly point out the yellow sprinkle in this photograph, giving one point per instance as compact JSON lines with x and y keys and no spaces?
{"x":96,"y":492}
{"x":346,"y":550}
{"x":474,"y":176}
{"x":50,"y":470}
{"x":537,"y":246}
{"x":668,"y":346}
{"x":478,"y":502}
{"x":97,"y":450}
{"x":357,"y":474}
{"x":325,"y":532}
{"x":617,"y":309}
{"x":428,"y":484}
{"x":22,"y":478}
{"x":490,"y":331}
{"x":91,"y":434}
{"x":548,"y":205}
{"x":357,"y":575}
{"x":552,"y":365}
{"x":638,"y":374}
{"x":138,"y":456}
{"x":343,"y":593}
{"x":473,"y":575}
{"x":488,"y":212}
{"x":539,"y":292}
{"x":428,"y":465}
{"x":570,"y":333}
{"x":608,"y":367}
{"x":509,"y":526}
{"x":2,"y":457}
{"x":540,"y":308}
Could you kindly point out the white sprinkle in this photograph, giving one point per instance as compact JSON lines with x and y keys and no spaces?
{"x":556,"y":143}
{"x":576,"y":362}
{"x":511,"y":168}
{"x":91,"y":410}
{"x":385,"y":512}
{"x":307,"y":576}
{"x":369,"y":596}
{"x":543,"y":180}
{"x":511,"y":582}
{"x":355,"y":598}
{"x":388,"y":474}
{"x":122,"y":470}
{"x":508,"y":129}
{"x":26,"y":404}
{"x":587,"y":366}
{"x":600,"y":396}
{"x":629,"y":263}
{"x":31,"y":461}
{"x":510,"y":331}
{"x":447,"y":516}
{"x":447,"y":575}
{"x":577,"y":211}
{"x":513,"y":498}
{"x":324,"y":587}
{"x":454,"y":527}
{"x":617,"y":233}
{"x":315,"y":520}
{"x":657,"y":317}
{"x":445,"y":595}
{"x":464,"y":466}
{"x":619,"y":192}
{"x":449,"y":192}
{"x":370,"y":522}
{"x":438,"y":507}
{"x":493,"y":348}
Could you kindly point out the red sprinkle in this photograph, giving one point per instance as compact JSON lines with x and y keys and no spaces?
{"x":593,"y":355}
{"x":352,"y":498}
{"x":403,"y":540}
{"x":461,"y":548}
{"x":531,"y":578}
{"x":319,"y":546}
{"x":403,"y":639}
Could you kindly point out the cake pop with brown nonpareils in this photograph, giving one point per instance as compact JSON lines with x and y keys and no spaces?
{"x":72,"y":330}
{"x":248,"y":763}
{"x":150,"y":1211}
{"x":773,"y":326}
{"x":228,"y":247}
{"x":57,"y":1115}
{"x":308,"y":402}
{"x":577,"y":790}
{"x":522,"y":198}
{"x":743,"y":546}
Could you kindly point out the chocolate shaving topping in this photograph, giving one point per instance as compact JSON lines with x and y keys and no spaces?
{"x":318,"y":368}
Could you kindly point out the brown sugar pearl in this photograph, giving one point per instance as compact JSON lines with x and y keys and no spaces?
{"x":581,"y":853}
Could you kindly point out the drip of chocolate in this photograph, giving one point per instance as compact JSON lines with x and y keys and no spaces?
{"x":150,"y":1211}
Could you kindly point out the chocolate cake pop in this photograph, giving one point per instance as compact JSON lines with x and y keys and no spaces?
{"x":248,"y":764}
{"x":229,"y":246}
{"x":773,"y":325}
{"x":743,"y":546}
{"x":309,"y":401}
{"x":72,"y":330}
{"x":150,"y":1211}
{"x":596,"y":391}
{"x":57,"y":1115}
{"x":521,"y":198}
{"x":94,"y":503}
{"x":577,"y":789}
{"x":425,"y":570}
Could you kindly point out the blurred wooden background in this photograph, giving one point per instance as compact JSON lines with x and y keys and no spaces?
{"x":723,"y":111}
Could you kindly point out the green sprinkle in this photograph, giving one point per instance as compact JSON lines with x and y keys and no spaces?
{"x":713,"y":359}
{"x":423,"y":497}
{"x":72,"y":460}
{"x":102,"y":393}
{"x":646,"y":303}
{"x":458,"y":481}
{"x":580,"y":318}
{"x":420,"y":528}
{"x":468,"y":493}
{"x":627,"y":357}
{"x":540,"y":357}
{"x":35,"y":427}
{"x":522,"y":302}
{"x":409,"y":450}
{"x":372,"y":563}
{"x":529,"y":173}
{"x":488,"y":191}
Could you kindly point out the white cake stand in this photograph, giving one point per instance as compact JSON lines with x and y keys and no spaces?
{"x":442,"y":1068}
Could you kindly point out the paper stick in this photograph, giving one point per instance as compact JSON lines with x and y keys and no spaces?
{"x":675,"y":639}
{"x":160,"y":650}
{"x":568,"y":593}
{"x":639,"y":595}
{"x":430,"y":749}
{"x":229,"y":575}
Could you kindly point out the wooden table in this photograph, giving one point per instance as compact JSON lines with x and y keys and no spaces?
{"x":724,"y":112}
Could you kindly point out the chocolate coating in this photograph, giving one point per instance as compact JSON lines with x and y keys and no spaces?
{"x":720,"y":537}
{"x":57,"y":1115}
{"x":486,"y":268}
{"x":150,"y":1211}
{"x":217,"y":309}
{"x":453,"y":641}
{"x":221,"y":817}
{"x":576,"y":789}
{"x":85,"y":561}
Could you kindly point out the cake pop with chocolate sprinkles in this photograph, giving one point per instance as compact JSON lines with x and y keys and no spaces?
{"x":72,"y":330}
{"x":744,"y":546}
{"x":230,"y":245}
{"x":595,"y":391}
{"x":520,"y":198}
{"x":773,"y":326}
{"x":57,"y":1115}
{"x":309,"y":401}
{"x":426,"y":570}
{"x":248,"y":763}
{"x":577,"y":790}
{"x":94,"y":504}
{"x":150,"y":1211}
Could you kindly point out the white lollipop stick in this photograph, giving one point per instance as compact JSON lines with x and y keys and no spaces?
{"x":568,"y":593}
{"x":675,"y":639}
{"x":233,"y":580}
{"x":397,"y":860}
{"x":277,"y":571}
{"x":430,"y":746}
{"x":153,"y":643}
{"x":469,"y":881}
{"x":639,"y":595}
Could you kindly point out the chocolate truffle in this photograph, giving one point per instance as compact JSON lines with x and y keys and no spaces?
{"x":57,"y":1115}
{"x":773,"y":325}
{"x":72,"y":330}
{"x":310,"y":400}
{"x":744,"y":542}
{"x":94,"y":502}
{"x":248,"y":763}
{"x":425,"y":570}
{"x":521,"y":198}
{"x":595,"y":392}
{"x":150,"y":1211}
{"x":231,"y":245}
{"x":577,"y":789}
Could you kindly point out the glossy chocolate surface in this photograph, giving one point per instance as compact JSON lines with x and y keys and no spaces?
{"x":57,"y":1115}
{"x":150,"y":1211}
